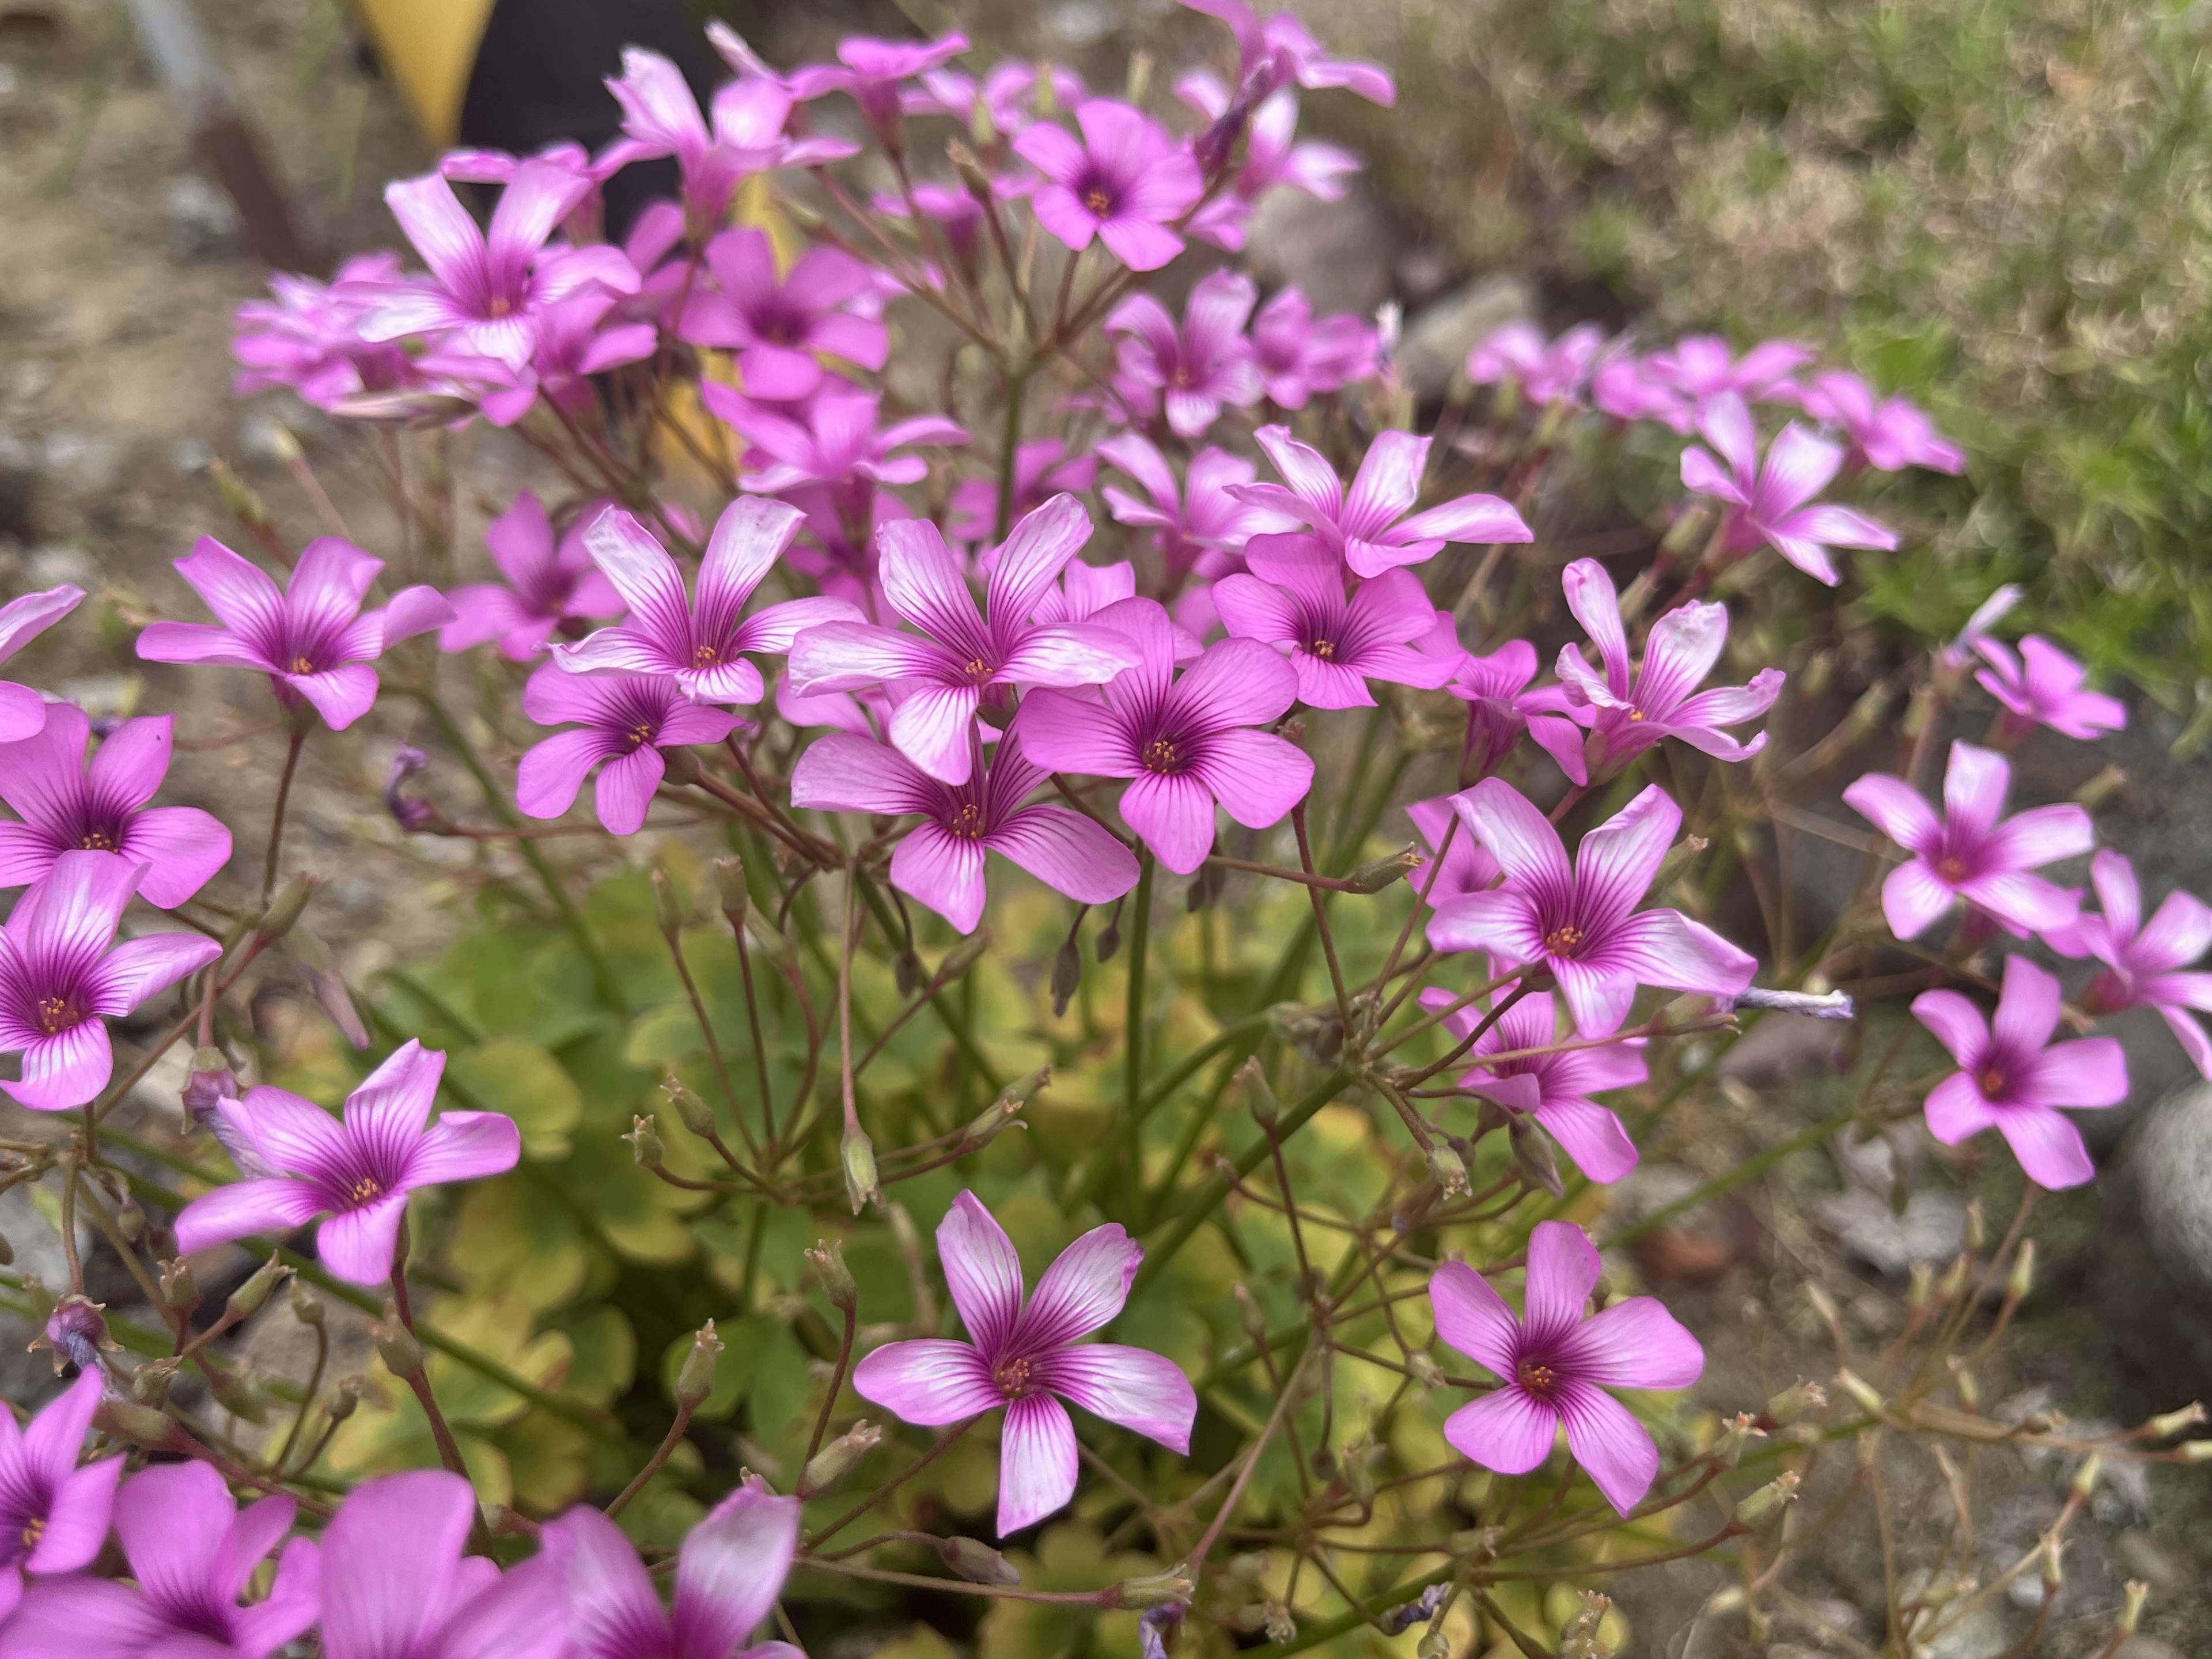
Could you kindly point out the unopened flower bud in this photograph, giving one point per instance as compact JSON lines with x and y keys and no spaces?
{"x":252,"y":1296}
{"x":1970,"y":1391}
{"x":908,"y":974}
{"x":1378,"y":874}
{"x":2021,"y":1280}
{"x":694,"y":1113}
{"x":679,"y":766}
{"x":1204,"y":889}
{"x":2052,"y":1567}
{"x":343,"y":1400}
{"x":1977,"y":1224}
{"x":1860,"y":1391}
{"x":1955,"y":1279}
{"x":1450,"y":1171}
{"x":147,"y":1427}
{"x":970,"y":170}
{"x":1358,"y":1469}
{"x":644,"y":1142}
{"x":409,"y":813}
{"x":858,"y":1155}
{"x":307,"y":1308}
{"x":1769,"y":1501}
{"x":1155,"y":1590}
{"x":2131,"y":1607}
{"x":149,"y":1383}
{"x":179,"y":1289}
{"x":237,"y":1395}
{"x":826,"y":1470}
{"x":1110,"y":937}
{"x":396,"y":1345}
{"x":1259,"y":1098}
{"x":283,"y":912}
{"x":1795,"y":1401}
{"x":667,"y":909}
{"x":2086,"y":1477}
{"x":828,"y":1257}
{"x":978,"y":1563}
{"x":2172,"y":1423}
{"x":730,"y":890}
{"x":1534,"y":1158}
{"x":208,"y":1083}
{"x":1678,"y":859}
{"x":695,"y":1381}
{"x":1066,"y":974}
{"x":1920,"y":1291}
{"x":1005,"y":1109}
{"x":961,"y":957}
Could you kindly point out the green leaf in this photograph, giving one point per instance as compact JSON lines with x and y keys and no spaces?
{"x":529,"y":1086}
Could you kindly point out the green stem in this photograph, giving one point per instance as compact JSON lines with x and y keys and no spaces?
{"x":1133,"y":1033}
{"x":1009,"y":443}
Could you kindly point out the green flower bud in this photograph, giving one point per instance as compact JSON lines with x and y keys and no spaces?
{"x":961,"y":957}
{"x":343,"y":1400}
{"x":2131,"y":1607}
{"x":149,"y":1383}
{"x":1922,"y":1290}
{"x":907,"y":973}
{"x":1066,"y":974}
{"x":284,"y":914}
{"x":237,"y":1395}
{"x":1533,"y":1159}
{"x":696,"y":1380}
{"x":771,"y":941}
{"x":305,"y":1307}
{"x":826,"y":1470}
{"x":679,"y":766}
{"x":1861,"y":1390}
{"x":396,"y":1345}
{"x":2086,"y":1477}
{"x":1977,"y":1225}
{"x":1793,"y":1402}
{"x":858,"y":1155}
{"x":979,"y":1563}
{"x":1259,"y":1098}
{"x":2052,"y":1568}
{"x":1450,"y":1170}
{"x":147,"y":1427}
{"x":667,"y":909}
{"x":2022,"y":1276}
{"x":2172,"y":1423}
{"x":1378,"y":875}
{"x":644,"y":1142}
{"x":730,"y":890}
{"x":694,"y":1113}
{"x":1157,"y":1589}
{"x":828,"y":1257}
{"x":130,"y":1218}
{"x":1769,"y":1501}
{"x":249,"y":1298}
{"x":179,"y":1289}
{"x":1358,"y":1466}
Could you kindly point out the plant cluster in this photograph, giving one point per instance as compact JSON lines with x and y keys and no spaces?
{"x":1355,"y":1319}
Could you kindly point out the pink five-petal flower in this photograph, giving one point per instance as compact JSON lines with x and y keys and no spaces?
{"x":1580,"y":920}
{"x":23,"y":710}
{"x":1467,"y":866}
{"x":61,"y":976}
{"x":871,"y":71}
{"x":1199,"y":367}
{"x":2043,"y":686}
{"x":1125,"y":183}
{"x":398,"y":1584}
{"x":729,"y":1573}
{"x":1293,"y":596}
{"x":1888,"y":433}
{"x":357,"y":1170}
{"x":53,"y":1515}
{"x":834,"y":440}
{"x":1766,"y":501}
{"x":2144,"y":960}
{"x":551,"y":585}
{"x":487,"y":292}
{"x":700,"y":639}
{"x":622,"y":723}
{"x":193,"y":1554}
{"x":1498,"y":711}
{"x":574,"y":342}
{"x":941,"y":861}
{"x":1198,"y":525}
{"x":1367,"y":527}
{"x":1022,"y":1357}
{"x":1630,"y":709}
{"x":1298,"y":356}
{"x":962,"y":653}
{"x":1547,"y":371}
{"x":312,"y":638}
{"x":1702,"y":365}
{"x":1554,"y":1365}
{"x":66,"y":806}
{"x":2012,"y":1079}
{"x":1186,"y":741}
{"x":825,"y":303}
{"x":1968,"y":853}
{"x":1281,"y":47}
{"x":306,"y":336}
{"x":1553,"y":1089}
{"x":1042,"y":469}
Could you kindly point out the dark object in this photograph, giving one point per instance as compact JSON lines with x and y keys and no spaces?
{"x":540,"y":76}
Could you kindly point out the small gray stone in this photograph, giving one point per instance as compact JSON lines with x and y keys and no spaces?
{"x":1931,"y":1228}
{"x":199,"y":220}
{"x":1339,"y":253}
{"x":1439,"y":335}
{"x":2155,"y":1279}
{"x":2146,"y":1558}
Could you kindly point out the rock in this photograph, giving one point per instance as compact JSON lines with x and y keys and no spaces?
{"x":1340,"y":253}
{"x":1931,"y":1229}
{"x":199,"y":220}
{"x":1439,"y":336}
{"x":2146,"y":1558}
{"x":2154,"y":1279}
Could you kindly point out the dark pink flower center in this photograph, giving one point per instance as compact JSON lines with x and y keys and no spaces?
{"x":1015,"y":1378}
{"x":1564,"y":941}
{"x":1538,"y":1380}
{"x":57,"y":1013}
{"x":967,"y":822}
{"x":1991,"y":1082}
{"x":1159,"y":756}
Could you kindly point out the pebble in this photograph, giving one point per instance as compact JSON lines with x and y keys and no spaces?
{"x":1439,"y":336}
{"x":2154,"y":1279}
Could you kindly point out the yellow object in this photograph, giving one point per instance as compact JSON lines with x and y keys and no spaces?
{"x":430,"y":47}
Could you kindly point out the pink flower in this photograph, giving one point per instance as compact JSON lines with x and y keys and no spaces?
{"x":53,"y":1515}
{"x":1007,"y":94}
{"x":1887,"y":433}
{"x":622,"y":724}
{"x":1767,"y":502}
{"x":1186,"y":741}
{"x":357,"y":1171}
{"x":1579,"y":921}
{"x":2043,"y":686}
{"x":1125,"y":183}
{"x":1272,"y":156}
{"x":1702,"y":365}
{"x":871,"y":71}
{"x":1553,"y":1089}
{"x":1201,"y":525}
{"x":833,"y":440}
{"x":2008,"y":1080}
{"x":1197,"y":368}
{"x":1042,"y":469}
{"x":661,"y":117}
{"x":549,"y":587}
{"x":701,"y":640}
{"x":61,"y":972}
{"x":1084,"y":590}
{"x":825,"y":303}
{"x":312,"y":639}
{"x":573,"y":346}
{"x":193,"y":1554}
{"x":1368,"y":527}
{"x":1467,"y":868}
{"x":1621,"y":385}
{"x":2142,"y":959}
{"x":487,"y":293}
{"x":398,"y":1585}
{"x":728,"y":1574}
{"x":961,"y":653}
{"x":65,"y":806}
{"x":1281,"y":44}
{"x":1554,"y":1365}
{"x":23,"y":710}
{"x":1298,"y":357}
{"x":1022,"y":1357}
{"x":1293,"y":596}
{"x":1497,"y":712}
{"x":1967,"y":854}
{"x":1547,"y":372}
{"x":306,"y":336}
{"x":1628,"y":709}
{"x":940,"y":860}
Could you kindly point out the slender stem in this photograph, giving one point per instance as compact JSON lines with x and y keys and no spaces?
{"x":1320,"y":922}
{"x":1275,"y":1420}
{"x":945,"y":1442}
{"x":1132,"y":1034}
{"x":276,"y":814}
{"x":449,"y":1450}
{"x":306,"y":1401}
{"x":1009,"y":443}
{"x":714,"y":1049}
{"x":661,"y":1454}
{"x":836,"y":1384}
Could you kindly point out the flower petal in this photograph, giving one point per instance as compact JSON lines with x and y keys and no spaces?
{"x":1036,"y":1462}
{"x":731,"y":1568}
{"x":1067,"y":852}
{"x":1505,"y":1431}
{"x":1474,"y":1318}
{"x":1082,"y":1291}
{"x":2048,"y":1146}
{"x":1615,"y":1451}
{"x":1563,"y":1271}
{"x":1636,"y":1344}
{"x":982,"y":1273}
{"x":1132,"y":1387}
{"x":929,"y":1383}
